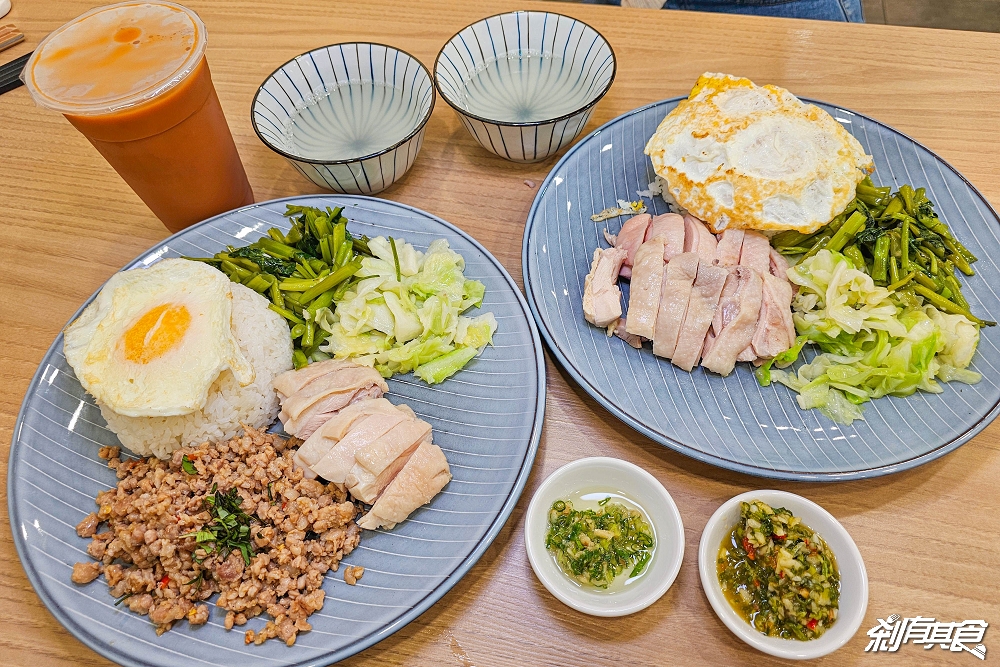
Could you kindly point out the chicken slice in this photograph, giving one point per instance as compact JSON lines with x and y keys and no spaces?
{"x":705,"y":293}
{"x":602,"y":298}
{"x":779,"y":265}
{"x":756,"y":252}
{"x":775,"y":331}
{"x":290,"y":382}
{"x":319,"y":443}
{"x":323,"y":408}
{"x":728,"y":294}
{"x":378,"y":462}
{"x":424,"y":475}
{"x":629,"y":239}
{"x":735,"y":320}
{"x":674,"y":296}
{"x":709,"y":338}
{"x":730,"y":244}
{"x":338,"y":426}
{"x":621,"y":332}
{"x":338,"y":462}
{"x":644,"y":294}
{"x":669,"y":227}
{"x":698,"y":238}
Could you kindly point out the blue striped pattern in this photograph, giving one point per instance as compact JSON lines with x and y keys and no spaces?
{"x":525,"y":83}
{"x":733,"y":422}
{"x":349,"y":117}
{"x":487,"y":419}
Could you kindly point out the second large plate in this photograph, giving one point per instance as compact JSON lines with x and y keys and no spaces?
{"x":732,"y":422}
{"x":487,"y":418}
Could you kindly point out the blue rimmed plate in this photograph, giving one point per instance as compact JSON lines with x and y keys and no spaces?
{"x":487,"y":418}
{"x":732,"y":422}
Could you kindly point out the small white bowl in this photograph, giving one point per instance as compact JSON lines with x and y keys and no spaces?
{"x":607,"y":475}
{"x":349,"y":117}
{"x":525,"y":83}
{"x":853,"y":578}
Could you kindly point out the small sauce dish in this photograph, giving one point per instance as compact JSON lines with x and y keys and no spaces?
{"x":853,"y":577}
{"x":587,"y":481}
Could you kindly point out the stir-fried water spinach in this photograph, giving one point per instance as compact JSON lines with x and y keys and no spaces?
{"x":300,"y":271}
{"x":899,"y":241}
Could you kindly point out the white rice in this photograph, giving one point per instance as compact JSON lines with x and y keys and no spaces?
{"x":265,"y":342}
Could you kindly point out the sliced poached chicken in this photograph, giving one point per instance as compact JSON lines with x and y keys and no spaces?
{"x":644,"y":293}
{"x":376,"y":463}
{"x":735,"y":320}
{"x":424,"y":475}
{"x":318,"y":396}
{"x":602,"y":298}
{"x":327,"y":436}
{"x":699,"y":239}
{"x":670,"y":228}
{"x":775,"y":331}
{"x":674,"y":296}
{"x":629,"y":239}
{"x":705,"y":293}
{"x":728,"y":250}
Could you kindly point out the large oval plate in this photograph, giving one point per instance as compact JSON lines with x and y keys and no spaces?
{"x":487,"y":418}
{"x":732,"y":422}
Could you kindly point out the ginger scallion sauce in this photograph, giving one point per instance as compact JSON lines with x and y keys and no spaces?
{"x":597,"y":542}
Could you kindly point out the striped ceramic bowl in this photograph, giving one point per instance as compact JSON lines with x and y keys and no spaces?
{"x":349,"y":117}
{"x":525,"y":83}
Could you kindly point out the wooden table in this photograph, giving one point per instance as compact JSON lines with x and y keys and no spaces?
{"x":928,"y":535}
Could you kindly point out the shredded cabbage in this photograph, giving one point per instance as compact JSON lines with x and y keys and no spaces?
{"x":405,"y":313}
{"x":870,"y":346}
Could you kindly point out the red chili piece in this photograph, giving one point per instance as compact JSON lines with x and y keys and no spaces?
{"x":751,"y":553}
{"x":164,"y":581}
{"x":811,"y":624}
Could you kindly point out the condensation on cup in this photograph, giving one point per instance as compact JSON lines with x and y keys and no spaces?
{"x":133,"y":78}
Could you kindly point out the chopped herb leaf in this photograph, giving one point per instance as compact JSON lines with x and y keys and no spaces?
{"x":229,"y":529}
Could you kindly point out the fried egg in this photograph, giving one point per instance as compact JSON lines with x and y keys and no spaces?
{"x":740,"y":155}
{"x":154,"y":340}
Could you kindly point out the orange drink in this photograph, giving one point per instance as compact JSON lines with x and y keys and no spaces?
{"x":133,"y":78}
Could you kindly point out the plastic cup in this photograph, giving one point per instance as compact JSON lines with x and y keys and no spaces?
{"x":133,"y":78}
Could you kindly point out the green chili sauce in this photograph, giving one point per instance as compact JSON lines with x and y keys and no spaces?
{"x":595,"y":546}
{"x":778,"y":574}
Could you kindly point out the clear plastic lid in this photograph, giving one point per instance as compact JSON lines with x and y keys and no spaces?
{"x":115,"y":57}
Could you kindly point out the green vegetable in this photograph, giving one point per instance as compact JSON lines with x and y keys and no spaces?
{"x":378,"y":300}
{"x":874,"y":342}
{"x":890,"y":236}
{"x":778,"y":574}
{"x":295,"y":270}
{"x":947,"y":306}
{"x":229,"y":528}
{"x":881,"y":258}
{"x":846,"y":233}
{"x":188,"y":466}
{"x":595,"y":547}
{"x":437,"y":370}
{"x":403,"y":312}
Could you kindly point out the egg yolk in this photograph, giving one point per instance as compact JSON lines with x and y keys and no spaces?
{"x":156,"y":332}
